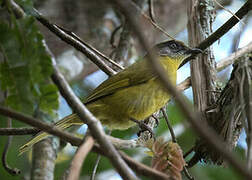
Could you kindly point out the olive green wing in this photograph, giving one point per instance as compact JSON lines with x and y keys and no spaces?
{"x":137,"y":73}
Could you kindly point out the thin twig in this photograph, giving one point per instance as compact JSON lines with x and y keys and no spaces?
{"x":90,"y":47}
{"x":113,"y":34}
{"x":122,"y":50}
{"x":169,"y":125}
{"x":10,"y":170}
{"x":222,"y":64}
{"x":138,"y":10}
{"x":188,"y":152}
{"x":95,"y":167}
{"x":151,"y":10}
{"x":18,"y":131}
{"x":97,"y":162}
{"x":201,"y":128}
{"x":224,"y":28}
{"x":73,"y":41}
{"x":228,"y":11}
{"x":185,"y":171}
{"x":79,"y":158}
{"x":143,"y":169}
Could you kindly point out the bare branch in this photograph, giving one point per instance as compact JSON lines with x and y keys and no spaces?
{"x":18,"y":131}
{"x":79,"y":158}
{"x":143,"y":169}
{"x":233,"y":57}
{"x":169,"y":125}
{"x":41,"y":125}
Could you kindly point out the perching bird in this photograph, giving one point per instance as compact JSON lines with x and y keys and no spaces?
{"x":134,"y":93}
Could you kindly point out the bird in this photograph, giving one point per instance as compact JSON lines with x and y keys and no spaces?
{"x":132,"y":94}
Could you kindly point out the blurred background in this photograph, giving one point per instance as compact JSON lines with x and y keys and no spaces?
{"x":95,"y":21}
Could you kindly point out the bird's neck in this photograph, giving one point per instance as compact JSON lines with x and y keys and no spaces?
{"x":170,"y":64}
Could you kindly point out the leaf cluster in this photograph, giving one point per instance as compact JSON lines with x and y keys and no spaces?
{"x":25,"y":67}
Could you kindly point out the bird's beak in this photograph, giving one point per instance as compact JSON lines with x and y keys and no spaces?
{"x":192,"y":52}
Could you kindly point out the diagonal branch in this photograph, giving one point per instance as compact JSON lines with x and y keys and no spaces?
{"x":224,"y":28}
{"x":222,"y":64}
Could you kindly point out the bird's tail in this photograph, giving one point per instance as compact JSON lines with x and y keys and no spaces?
{"x":64,"y":123}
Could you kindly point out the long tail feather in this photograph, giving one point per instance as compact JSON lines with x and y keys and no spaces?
{"x":64,"y":123}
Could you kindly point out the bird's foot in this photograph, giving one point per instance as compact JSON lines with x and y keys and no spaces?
{"x":144,"y":127}
{"x":156,"y":120}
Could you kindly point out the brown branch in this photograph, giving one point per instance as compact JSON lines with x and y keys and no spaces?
{"x":79,"y":158}
{"x":41,"y":125}
{"x":122,"y":50}
{"x":185,"y":171}
{"x":201,"y":128}
{"x":143,"y":169}
{"x":233,"y":57}
{"x":169,"y":125}
{"x":18,"y":131}
{"x":66,"y":36}
{"x":76,"y":43}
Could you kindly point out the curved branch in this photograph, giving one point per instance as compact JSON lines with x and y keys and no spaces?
{"x":79,"y":157}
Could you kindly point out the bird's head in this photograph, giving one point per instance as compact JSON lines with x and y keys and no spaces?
{"x":175,"y":50}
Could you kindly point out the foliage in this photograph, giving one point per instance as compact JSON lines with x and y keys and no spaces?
{"x":26,"y":67}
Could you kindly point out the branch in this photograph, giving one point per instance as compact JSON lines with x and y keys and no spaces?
{"x":143,"y":169}
{"x":41,"y":125}
{"x":233,"y":57}
{"x":224,"y":28}
{"x":79,"y":157}
{"x":201,"y":128}
{"x":67,"y":37}
{"x":75,"y":42}
{"x":227,"y":26}
{"x":222,"y":64}
{"x":18,"y":131}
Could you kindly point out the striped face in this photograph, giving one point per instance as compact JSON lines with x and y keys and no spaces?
{"x":174,"y":49}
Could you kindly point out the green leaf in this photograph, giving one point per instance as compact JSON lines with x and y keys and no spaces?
{"x":26,"y":69}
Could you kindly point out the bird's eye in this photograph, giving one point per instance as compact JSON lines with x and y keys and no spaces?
{"x":173,"y":46}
